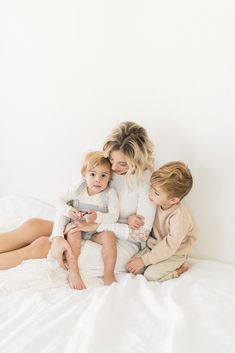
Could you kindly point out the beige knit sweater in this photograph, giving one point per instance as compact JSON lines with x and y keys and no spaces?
{"x":173,"y":233}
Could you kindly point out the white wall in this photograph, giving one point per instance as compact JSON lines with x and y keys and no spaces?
{"x":70,"y":71}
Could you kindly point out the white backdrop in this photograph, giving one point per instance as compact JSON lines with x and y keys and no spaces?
{"x":71,"y":71}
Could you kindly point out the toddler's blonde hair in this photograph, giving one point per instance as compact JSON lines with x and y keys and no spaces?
{"x":95,"y":159}
{"x":174,"y":178}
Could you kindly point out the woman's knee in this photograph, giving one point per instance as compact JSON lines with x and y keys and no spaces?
{"x":40,"y":247}
{"x":32,"y":222}
{"x":39,"y":224}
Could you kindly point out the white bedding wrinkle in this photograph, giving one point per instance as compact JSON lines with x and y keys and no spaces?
{"x":40,"y":313}
{"x":178,"y":316}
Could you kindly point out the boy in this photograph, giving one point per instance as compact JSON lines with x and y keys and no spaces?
{"x":173,"y":232}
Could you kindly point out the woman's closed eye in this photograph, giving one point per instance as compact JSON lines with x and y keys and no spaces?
{"x":121,"y":164}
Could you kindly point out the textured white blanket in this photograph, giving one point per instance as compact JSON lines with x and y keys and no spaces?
{"x":39,"y":313}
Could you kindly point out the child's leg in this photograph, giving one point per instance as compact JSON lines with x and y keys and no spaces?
{"x":36,"y":250}
{"x":164,"y":270}
{"x":109,"y":254}
{"x":25,"y":234}
{"x":75,"y":280}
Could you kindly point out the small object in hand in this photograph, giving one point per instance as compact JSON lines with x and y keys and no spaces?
{"x":81,"y":215}
{"x":84,"y":213}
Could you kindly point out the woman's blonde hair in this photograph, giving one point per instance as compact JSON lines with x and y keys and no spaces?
{"x":174,"y":178}
{"x":93,"y":160}
{"x":133,"y":141}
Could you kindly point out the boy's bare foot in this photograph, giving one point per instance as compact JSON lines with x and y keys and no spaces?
{"x":75,"y":281}
{"x":109,"y":279}
{"x":183,"y":268}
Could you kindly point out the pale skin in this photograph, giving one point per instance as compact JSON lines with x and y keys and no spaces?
{"x":29,"y":241}
{"x":160,"y":198}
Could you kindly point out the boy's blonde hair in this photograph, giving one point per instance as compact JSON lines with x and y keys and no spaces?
{"x":174,"y":178}
{"x":95,"y":159}
{"x":133,"y":141}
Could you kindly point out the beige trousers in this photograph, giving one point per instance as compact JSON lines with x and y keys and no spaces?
{"x":163,"y":270}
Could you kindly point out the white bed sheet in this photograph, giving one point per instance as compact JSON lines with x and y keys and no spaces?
{"x":39,"y":312}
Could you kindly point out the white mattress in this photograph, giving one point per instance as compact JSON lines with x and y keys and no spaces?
{"x":39,"y":313}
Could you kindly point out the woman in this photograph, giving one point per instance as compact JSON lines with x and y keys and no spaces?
{"x":131,"y":154}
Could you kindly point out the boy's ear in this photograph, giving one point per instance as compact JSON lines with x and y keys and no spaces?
{"x":174,"y":200}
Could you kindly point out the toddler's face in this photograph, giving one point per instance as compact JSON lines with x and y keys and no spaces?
{"x":158,"y":196}
{"x":97,"y":179}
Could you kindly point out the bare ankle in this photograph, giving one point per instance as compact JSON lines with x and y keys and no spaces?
{"x":183,"y":268}
{"x":109,"y":278}
{"x":75,"y":280}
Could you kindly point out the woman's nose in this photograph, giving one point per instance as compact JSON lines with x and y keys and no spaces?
{"x":114,"y":166}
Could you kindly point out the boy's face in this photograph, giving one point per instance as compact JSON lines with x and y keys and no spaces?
{"x":158,"y":196}
{"x":97,"y":179}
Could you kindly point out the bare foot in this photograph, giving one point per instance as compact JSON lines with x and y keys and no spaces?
{"x":183,"y":268}
{"x":75,"y":281}
{"x":109,"y":279}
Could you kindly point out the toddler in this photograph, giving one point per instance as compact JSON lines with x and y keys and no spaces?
{"x":92,"y":201}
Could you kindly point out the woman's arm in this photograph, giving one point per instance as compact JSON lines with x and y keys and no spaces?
{"x":60,"y":222}
{"x":62,"y":201}
{"x":62,"y":213}
{"x":145,"y":207}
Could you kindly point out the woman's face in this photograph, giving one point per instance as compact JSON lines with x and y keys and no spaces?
{"x":119,"y":163}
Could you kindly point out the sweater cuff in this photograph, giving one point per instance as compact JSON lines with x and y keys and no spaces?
{"x":146,"y":259}
{"x":55,"y":236}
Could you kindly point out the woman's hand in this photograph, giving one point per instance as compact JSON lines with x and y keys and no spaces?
{"x":135,"y":265}
{"x":91,"y":216}
{"x":135,"y":221}
{"x":78,"y":226}
{"x":58,"y":246}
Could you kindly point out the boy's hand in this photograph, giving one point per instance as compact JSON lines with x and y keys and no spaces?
{"x":135,"y":265}
{"x":74,"y":214}
{"x":91,"y":216}
{"x":135,"y":221}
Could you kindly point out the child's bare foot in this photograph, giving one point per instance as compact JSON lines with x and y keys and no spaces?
{"x":183,"y":268}
{"x":109,"y":279}
{"x":75,"y":281}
